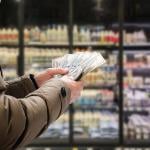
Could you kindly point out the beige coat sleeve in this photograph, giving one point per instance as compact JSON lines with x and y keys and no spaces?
{"x":22,"y":120}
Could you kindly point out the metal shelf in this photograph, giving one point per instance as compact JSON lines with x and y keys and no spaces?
{"x":133,"y":25}
{"x":137,"y":143}
{"x":144,"y":87}
{"x":145,"y":47}
{"x":43,"y":142}
{"x":96,"y":142}
{"x":137,"y":47}
{"x":128,"y":113}
{"x":78,"y":45}
{"x":47,"y":45}
{"x":10,"y":45}
{"x":96,"y":46}
{"x":77,"y":142}
{"x":139,"y":71}
{"x":100,"y":86}
{"x":94,"y":108}
{"x":92,"y":45}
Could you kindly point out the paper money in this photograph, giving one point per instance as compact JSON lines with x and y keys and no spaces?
{"x":79,"y":64}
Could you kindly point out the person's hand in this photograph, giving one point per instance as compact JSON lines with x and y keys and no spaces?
{"x":75,"y":87}
{"x":49,"y":73}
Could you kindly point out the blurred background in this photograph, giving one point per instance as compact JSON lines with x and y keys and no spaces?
{"x":113,"y":109}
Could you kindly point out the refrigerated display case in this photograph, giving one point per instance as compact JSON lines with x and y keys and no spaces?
{"x":114,"y":106}
{"x":9,"y":36}
{"x":96,"y":113}
{"x":47,"y":35}
{"x":136,"y":96}
{"x":45,"y":38}
{"x":136,"y":74}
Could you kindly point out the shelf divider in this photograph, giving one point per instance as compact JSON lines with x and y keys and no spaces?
{"x":120,"y":59}
{"x":21,"y":37}
{"x":70,"y":35}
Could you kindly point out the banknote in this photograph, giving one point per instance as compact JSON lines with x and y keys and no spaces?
{"x":79,"y":64}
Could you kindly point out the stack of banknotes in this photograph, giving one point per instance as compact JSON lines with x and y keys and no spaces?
{"x":79,"y":64}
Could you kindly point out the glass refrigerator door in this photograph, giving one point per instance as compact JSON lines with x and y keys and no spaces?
{"x":96,"y":111}
{"x":45,"y":33}
{"x":8,"y":38}
{"x":136,"y":96}
{"x":137,"y":73}
{"x":45,"y":38}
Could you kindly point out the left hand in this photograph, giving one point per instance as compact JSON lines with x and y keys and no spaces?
{"x":75,"y":87}
{"x":49,"y":73}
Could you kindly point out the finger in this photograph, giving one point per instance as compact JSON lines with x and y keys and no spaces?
{"x":55,"y":71}
{"x":69,"y":78}
{"x":80,"y":84}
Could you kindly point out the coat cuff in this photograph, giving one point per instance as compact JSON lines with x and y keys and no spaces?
{"x":56,"y":100}
{"x":20,"y":87}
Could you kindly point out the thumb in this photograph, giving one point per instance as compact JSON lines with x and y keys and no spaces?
{"x":55,"y":71}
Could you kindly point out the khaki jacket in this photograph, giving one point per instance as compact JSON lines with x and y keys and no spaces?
{"x":26,"y":112}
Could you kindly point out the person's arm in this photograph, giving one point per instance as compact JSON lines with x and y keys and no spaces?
{"x":24,"y":85}
{"x":20,"y":87}
{"x":22,"y":120}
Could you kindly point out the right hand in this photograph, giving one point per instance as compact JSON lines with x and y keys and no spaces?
{"x":47,"y":74}
{"x":75,"y":87}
